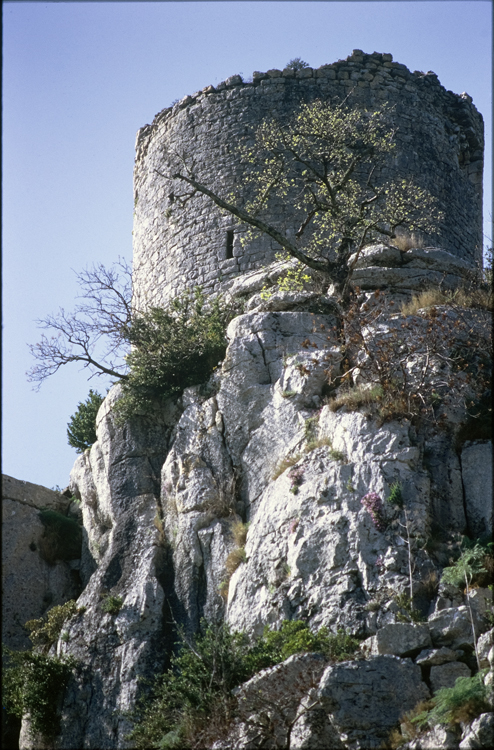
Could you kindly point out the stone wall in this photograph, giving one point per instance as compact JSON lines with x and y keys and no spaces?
{"x":439,"y":139}
{"x":30,"y":584}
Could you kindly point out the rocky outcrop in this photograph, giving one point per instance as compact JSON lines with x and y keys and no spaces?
{"x":260,"y":445}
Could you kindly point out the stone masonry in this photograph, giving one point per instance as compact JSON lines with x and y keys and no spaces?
{"x":439,"y":145}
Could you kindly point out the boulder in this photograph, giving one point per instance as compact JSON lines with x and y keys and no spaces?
{"x":273,"y":700}
{"x":400,"y":638}
{"x":451,"y":627}
{"x":445,"y":675}
{"x":367,"y":698}
{"x":433,"y":657}
{"x":479,"y":734}
{"x":485,"y":647}
{"x":438,"y":738}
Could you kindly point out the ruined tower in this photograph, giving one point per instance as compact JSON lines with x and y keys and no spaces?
{"x":439,"y":144}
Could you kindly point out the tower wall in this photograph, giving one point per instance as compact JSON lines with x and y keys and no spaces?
{"x":439,"y":145}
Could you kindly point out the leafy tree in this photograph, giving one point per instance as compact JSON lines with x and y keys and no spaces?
{"x":81,"y":430}
{"x":297,"y":64}
{"x":329,"y":161}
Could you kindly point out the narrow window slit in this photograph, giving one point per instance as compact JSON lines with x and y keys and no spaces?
{"x":229,"y":244}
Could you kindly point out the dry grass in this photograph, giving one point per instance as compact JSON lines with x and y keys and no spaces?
{"x":285,"y":464}
{"x":355,"y":398}
{"x":234,"y":559}
{"x":409,"y":730}
{"x":405,"y":242}
{"x":239,"y":532}
{"x":317,"y":443}
{"x":466,"y":298}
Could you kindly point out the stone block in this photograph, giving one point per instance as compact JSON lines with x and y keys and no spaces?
{"x":484,"y":648}
{"x":451,"y":627}
{"x":400,"y":639}
{"x":366,"y":699}
{"x":476,"y":471}
{"x":433,"y":657}
{"x":479,"y":734}
{"x":445,"y":675}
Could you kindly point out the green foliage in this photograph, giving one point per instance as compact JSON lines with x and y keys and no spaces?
{"x":81,"y":430}
{"x":192,"y":703}
{"x":32,"y":684}
{"x":112,"y":604}
{"x":409,"y":613}
{"x":297,"y":64}
{"x":463,"y":702}
{"x":45,"y":630}
{"x":323,"y":156}
{"x":395,"y":495}
{"x":311,"y":429}
{"x":470,"y":563}
{"x":62,"y":537}
{"x":172,"y":348}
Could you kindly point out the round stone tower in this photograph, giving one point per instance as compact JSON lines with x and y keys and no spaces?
{"x":439,"y":144}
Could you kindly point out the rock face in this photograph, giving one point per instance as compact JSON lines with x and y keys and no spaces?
{"x":118,"y":482}
{"x":259,"y":445}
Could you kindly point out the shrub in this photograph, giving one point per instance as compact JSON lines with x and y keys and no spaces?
{"x":355,"y":398}
{"x":296,"y":64}
{"x":192,"y":703}
{"x":172,"y":348}
{"x":463,"y":702}
{"x":296,"y":476}
{"x":395,"y":495}
{"x":81,"y":430}
{"x":32,"y":684}
{"x":112,"y":604}
{"x":45,"y":630}
{"x":62,"y":537}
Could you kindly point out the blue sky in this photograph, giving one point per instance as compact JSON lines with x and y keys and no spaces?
{"x":79,"y":80}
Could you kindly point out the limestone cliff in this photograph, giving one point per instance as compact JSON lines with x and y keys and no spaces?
{"x":258,"y":443}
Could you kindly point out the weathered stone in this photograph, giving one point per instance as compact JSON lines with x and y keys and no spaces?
{"x":445,"y":675}
{"x":438,"y":738}
{"x":181,"y":249}
{"x":30,"y":584}
{"x":312,"y":729}
{"x":118,"y":484}
{"x":367,"y":698}
{"x":270,"y":701}
{"x":401,"y":639}
{"x":476,"y":471}
{"x":479,"y":734}
{"x":481,"y":602}
{"x":451,"y":627}
{"x":433,"y":657}
{"x":484,"y":647}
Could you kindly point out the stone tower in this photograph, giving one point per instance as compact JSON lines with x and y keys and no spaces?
{"x":439,"y":145}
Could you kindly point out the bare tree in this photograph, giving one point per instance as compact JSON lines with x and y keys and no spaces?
{"x":95,"y":333}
